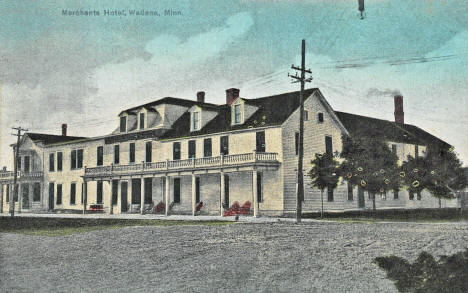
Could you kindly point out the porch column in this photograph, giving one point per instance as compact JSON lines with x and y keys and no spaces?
{"x":85,"y":195}
{"x":194,"y":192}
{"x":166,"y":194}
{"x":254,"y":192}
{"x":41,"y":195}
{"x":221,"y":194}
{"x":142,"y":196}
{"x":1,"y":198}
{"x":111,"y":194}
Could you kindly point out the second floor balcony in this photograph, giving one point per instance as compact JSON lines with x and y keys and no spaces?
{"x":237,"y":160}
{"x":9,"y":176}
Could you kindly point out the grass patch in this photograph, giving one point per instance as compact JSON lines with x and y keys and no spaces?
{"x":68,"y":226}
{"x":417,"y":215}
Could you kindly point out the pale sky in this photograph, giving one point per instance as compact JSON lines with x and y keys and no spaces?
{"x":83,"y":70}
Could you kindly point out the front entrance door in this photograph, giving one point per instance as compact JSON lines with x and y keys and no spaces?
{"x":51,"y":196}
{"x":226,"y":190}
{"x":123,"y":196}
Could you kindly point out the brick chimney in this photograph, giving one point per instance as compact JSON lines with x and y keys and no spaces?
{"x":201,"y":97}
{"x":399,"y":114}
{"x":231,"y":95}
{"x":64,"y":129}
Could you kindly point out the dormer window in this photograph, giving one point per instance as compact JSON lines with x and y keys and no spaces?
{"x":195,"y":121}
{"x":142,"y":120}
{"x":123,"y":124}
{"x":237,"y":114}
{"x":320,"y":117}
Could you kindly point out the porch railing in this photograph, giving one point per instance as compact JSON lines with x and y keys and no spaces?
{"x":187,"y":163}
{"x":25,"y":175}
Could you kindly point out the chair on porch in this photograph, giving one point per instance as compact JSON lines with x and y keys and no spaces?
{"x":198,"y":207}
{"x":159,"y":208}
{"x":233,"y":210}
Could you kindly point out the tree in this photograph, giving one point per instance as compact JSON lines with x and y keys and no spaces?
{"x":369,"y":163}
{"x":439,"y":171}
{"x":324,"y":173}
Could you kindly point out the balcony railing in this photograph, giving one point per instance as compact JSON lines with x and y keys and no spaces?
{"x":229,"y":160}
{"x":9,"y":175}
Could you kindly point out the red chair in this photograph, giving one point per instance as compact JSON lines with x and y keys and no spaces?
{"x":245,"y":208}
{"x":199,"y":207}
{"x":160,"y":207}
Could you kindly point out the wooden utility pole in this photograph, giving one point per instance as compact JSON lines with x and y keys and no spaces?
{"x":300,"y":177}
{"x":15,"y":175}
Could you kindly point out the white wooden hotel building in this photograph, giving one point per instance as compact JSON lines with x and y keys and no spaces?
{"x":182,"y":152}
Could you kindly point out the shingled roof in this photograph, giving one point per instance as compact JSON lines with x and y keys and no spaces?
{"x":50,"y":138}
{"x":272,"y":110}
{"x":396,"y":132}
{"x":172,"y":101}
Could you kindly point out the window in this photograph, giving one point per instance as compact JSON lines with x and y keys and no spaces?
{"x":191,"y":149}
{"x":306,"y":115}
{"x":36,"y":191}
{"x":224,"y":145}
{"x":115,"y":186}
{"x":123,"y":124}
{"x":59,"y":194}
{"x":394,"y":149}
{"x":131,"y":153}
{"x":411,"y":195}
{"x":19,"y":163}
{"x":148,"y":190}
{"x":76,"y":159}
{"x":176,"y":151}
{"x":136,"y":191}
{"x":260,"y":141}
{"x":350,"y":191}
{"x":195,"y":121}
{"x":80,"y":159}
{"x":330,"y":193}
{"x":59,"y":161}
{"x":100,"y":155}
{"x":51,"y":162}
{"x":116,"y":154}
{"x":26,"y":164}
{"x":99,"y":192}
{"x":416,"y":151}
{"x":395,"y":193}
{"x":226,"y":190}
{"x":25,"y":196}
{"x":73,"y":193}
{"x":207,"y":147}
{"x":15,"y":194}
{"x":197,"y":189}
{"x":51,"y":195}
{"x":8,"y":193}
{"x":296,"y":142}
{"x":176,"y":190}
{"x":73,"y":159}
{"x":83,"y":191}
{"x":259,"y":188}
{"x":237,"y":114}
{"x":142,"y":120}
{"x":328,"y":145}
{"x":148,"y":151}
{"x":320,"y":117}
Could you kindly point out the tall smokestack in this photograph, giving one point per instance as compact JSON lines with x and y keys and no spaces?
{"x":64,"y":129}
{"x":231,"y":95}
{"x":201,"y":97}
{"x":399,"y":114}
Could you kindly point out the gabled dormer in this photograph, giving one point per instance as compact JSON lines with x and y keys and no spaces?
{"x":148,"y":118}
{"x":241,"y":110}
{"x":200,"y":116}
{"x":128,"y":121}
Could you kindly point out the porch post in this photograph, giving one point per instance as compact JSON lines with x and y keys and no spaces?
{"x":41,"y":195}
{"x":166,"y":194}
{"x":193,"y":194}
{"x":85,"y":195}
{"x":254,"y":192}
{"x":111,"y":210}
{"x":221,"y":194}
{"x":142,"y":195}
{"x":1,"y":198}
